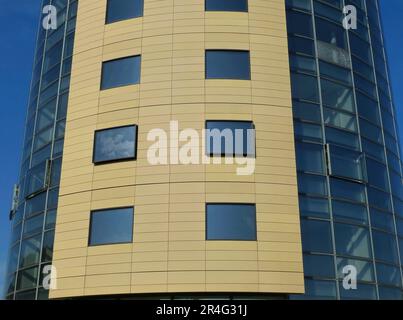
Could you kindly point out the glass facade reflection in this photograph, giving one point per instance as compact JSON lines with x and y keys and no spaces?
{"x":348,"y":157}
{"x":33,"y":220}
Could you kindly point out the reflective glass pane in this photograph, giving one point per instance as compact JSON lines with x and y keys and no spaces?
{"x":30,"y":250}
{"x":304,"y":87}
{"x":363,"y":292}
{"x":310,"y":157}
{"x":381,"y":242}
{"x":312,"y":184}
{"x":346,"y":163}
{"x":227,"y":5}
{"x":331,"y":33}
{"x":13,"y":258}
{"x":115,"y":144}
{"x":339,"y":119}
{"x":230,"y":138}
{"x":382,"y":220}
{"x":337,"y":96}
{"x":37,"y":178}
{"x":347,"y":211}
{"x":50,"y":219}
{"x":47,"y":247}
{"x":303,"y":63}
{"x":308,"y":131}
{"x":379,"y":199}
{"x":306,"y":111}
{"x":318,"y":266}
{"x":299,"y":23}
{"x":387,"y":293}
{"x":352,"y":241}
{"x":35,"y":205}
{"x":317,"y":289}
{"x":26,"y":295}
{"x":121,"y":72}
{"x":313,"y":207}
{"x":388,"y":275}
{"x":377,"y":174}
{"x":27,"y":279}
{"x":365,"y":269}
{"x":33,"y":225}
{"x":111,"y":226}
{"x":316,"y":236}
{"x":227,"y":64}
{"x":231,"y":222}
{"x":347,"y":190}
{"x":123,"y":9}
{"x":342,"y":138}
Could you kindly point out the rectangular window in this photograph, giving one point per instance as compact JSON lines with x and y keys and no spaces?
{"x":227,"y":5}
{"x":230,"y":138}
{"x":310,"y":157}
{"x":37,"y":179}
{"x":111,"y":226}
{"x":352,"y":241}
{"x":316,"y":236}
{"x":27,"y":279}
{"x":345,"y":163}
{"x":231,"y":222}
{"x":115,"y":144}
{"x":30,"y":251}
{"x":118,"y":10}
{"x":121,"y":72}
{"x":228,"y":64}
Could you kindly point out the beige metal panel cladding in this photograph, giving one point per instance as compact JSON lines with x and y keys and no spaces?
{"x":169,"y":253}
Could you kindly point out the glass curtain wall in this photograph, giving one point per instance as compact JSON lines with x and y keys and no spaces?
{"x":348,"y":157}
{"x":33,"y":219}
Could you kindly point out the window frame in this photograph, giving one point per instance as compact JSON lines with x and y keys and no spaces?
{"x":114,"y":60}
{"x":230,"y":203}
{"x":227,"y":50}
{"x":210,"y":154}
{"x":136,"y":135}
{"x":247,"y":8}
{"x":120,"y":20}
{"x":92,"y":212}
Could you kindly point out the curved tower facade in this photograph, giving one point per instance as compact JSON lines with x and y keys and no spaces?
{"x":126,"y":192}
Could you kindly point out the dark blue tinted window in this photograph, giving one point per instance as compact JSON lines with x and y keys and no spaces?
{"x":318,"y":289}
{"x":227,"y":5}
{"x":121,"y":72}
{"x":316,"y":236}
{"x":115,"y":144}
{"x":347,"y":190}
{"x":319,"y":266}
{"x":230,"y":138}
{"x":227,"y":64}
{"x":123,"y":9}
{"x":231,"y":222}
{"x":352,"y":241}
{"x":381,"y":242}
{"x":363,"y":292}
{"x":111,"y":226}
{"x":298,"y":23}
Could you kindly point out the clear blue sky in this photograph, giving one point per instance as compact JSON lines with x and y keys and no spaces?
{"x":18,"y":25}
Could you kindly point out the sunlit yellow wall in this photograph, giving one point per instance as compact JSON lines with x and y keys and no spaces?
{"x":169,"y":253}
